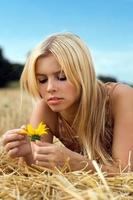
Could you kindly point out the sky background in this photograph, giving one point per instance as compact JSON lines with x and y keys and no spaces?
{"x":105,"y":25}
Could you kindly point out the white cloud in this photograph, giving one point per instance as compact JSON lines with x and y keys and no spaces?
{"x":117,"y":64}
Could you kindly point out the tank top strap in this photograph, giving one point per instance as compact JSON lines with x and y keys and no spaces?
{"x":112,"y":87}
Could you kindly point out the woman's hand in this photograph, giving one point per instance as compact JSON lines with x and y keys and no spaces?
{"x":52,"y":155}
{"x":16,"y":144}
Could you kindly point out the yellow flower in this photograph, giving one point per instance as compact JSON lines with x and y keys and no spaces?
{"x":35,"y":133}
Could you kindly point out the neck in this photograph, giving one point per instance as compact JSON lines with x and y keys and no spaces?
{"x":70,"y":113}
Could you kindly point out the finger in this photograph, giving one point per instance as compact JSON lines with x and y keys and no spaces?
{"x":14,"y":144}
{"x":41,"y":157}
{"x":13,"y":131}
{"x":42,"y":149}
{"x":12,"y":137}
{"x":48,"y":165}
{"x":18,"y":131}
{"x":13,"y":152}
{"x":23,"y":130}
{"x":40,"y":143}
{"x":23,"y":126}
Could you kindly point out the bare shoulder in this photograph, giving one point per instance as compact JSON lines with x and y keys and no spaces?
{"x":121,"y":91}
{"x":122,"y":98}
{"x":42,"y":112}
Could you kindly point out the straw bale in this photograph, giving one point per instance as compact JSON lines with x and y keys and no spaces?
{"x":21,"y":182}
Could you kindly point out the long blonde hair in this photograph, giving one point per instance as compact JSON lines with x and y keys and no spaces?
{"x":75,"y":59}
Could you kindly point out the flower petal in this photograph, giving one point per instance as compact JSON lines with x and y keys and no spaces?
{"x":30,"y":129}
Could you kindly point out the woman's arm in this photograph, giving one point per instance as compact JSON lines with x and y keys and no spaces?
{"x":122,"y":147}
{"x":122,"y":107}
{"x":52,"y":155}
{"x":42,"y":112}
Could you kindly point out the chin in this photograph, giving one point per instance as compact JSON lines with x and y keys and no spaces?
{"x":54,"y":109}
{"x":57,"y":109}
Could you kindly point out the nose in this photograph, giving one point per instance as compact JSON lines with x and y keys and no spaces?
{"x":51,"y":86}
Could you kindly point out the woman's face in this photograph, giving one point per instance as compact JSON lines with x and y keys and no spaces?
{"x":58,"y":92}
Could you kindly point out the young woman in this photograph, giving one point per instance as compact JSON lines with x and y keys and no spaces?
{"x":93,"y":120}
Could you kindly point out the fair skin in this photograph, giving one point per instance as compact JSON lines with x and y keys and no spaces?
{"x":59,"y":95}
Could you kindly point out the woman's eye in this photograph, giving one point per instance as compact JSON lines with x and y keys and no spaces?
{"x":62,"y":77}
{"x":42,"y":81}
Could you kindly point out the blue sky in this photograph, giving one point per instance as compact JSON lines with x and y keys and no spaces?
{"x":105,"y":25}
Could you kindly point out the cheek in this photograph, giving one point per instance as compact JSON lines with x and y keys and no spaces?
{"x":42,"y":91}
{"x":73,"y":92}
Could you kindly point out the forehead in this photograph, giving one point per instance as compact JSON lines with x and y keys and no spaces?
{"x":47,"y":64}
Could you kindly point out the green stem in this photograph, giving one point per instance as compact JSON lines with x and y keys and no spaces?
{"x":35,"y":137}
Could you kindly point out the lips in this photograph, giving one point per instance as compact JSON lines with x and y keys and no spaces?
{"x":54,"y":100}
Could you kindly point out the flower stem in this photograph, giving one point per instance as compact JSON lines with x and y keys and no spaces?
{"x":35,"y":137}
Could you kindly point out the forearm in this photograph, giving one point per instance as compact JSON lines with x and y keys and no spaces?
{"x":82,"y":163}
{"x":29,"y":156}
{"x":93,"y":166}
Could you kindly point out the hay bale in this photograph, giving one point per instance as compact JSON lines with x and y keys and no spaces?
{"x":21,"y":182}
